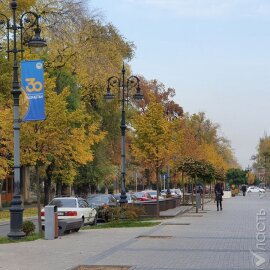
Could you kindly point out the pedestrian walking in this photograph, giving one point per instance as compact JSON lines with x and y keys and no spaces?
{"x":244,"y":189}
{"x":219,"y":193}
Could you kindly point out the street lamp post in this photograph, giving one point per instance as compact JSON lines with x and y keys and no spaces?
{"x":16,"y":209}
{"x":124,"y":86}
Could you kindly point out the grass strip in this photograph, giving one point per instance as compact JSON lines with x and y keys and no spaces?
{"x":32,"y":237}
{"x":28,"y":212}
{"x":122,"y":224}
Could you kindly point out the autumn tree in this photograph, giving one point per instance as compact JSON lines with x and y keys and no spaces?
{"x":62,"y":141}
{"x":162,"y":95}
{"x":150,"y":143}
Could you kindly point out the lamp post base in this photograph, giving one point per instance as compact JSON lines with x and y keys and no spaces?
{"x":123,"y":198}
{"x":16,"y":218}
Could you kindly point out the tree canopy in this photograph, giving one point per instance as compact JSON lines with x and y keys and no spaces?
{"x":79,"y":142}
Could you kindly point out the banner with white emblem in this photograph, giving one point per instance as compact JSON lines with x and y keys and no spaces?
{"x":32,"y":81}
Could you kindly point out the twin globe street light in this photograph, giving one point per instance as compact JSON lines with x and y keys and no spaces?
{"x":124,"y":86}
{"x":28,"y":20}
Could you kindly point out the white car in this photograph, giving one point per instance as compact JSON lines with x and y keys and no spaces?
{"x":153,"y":193}
{"x":73,"y":207}
{"x":255,"y":189}
{"x":175,"y":192}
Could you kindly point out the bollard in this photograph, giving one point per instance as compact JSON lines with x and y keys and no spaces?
{"x":51,"y":222}
{"x":198,"y":201}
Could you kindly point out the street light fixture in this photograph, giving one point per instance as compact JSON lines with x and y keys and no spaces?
{"x":16,"y":209}
{"x":124,"y":86}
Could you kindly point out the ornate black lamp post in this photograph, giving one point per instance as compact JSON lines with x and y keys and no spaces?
{"x":28,"y":20}
{"x":124,"y":86}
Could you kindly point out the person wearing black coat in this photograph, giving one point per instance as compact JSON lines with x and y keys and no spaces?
{"x":219,"y":193}
{"x":244,"y":189}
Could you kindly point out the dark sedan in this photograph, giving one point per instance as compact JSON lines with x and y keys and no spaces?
{"x":101,"y":202}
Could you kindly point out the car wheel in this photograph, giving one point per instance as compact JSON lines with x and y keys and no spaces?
{"x":94,"y":223}
{"x":83,"y":222}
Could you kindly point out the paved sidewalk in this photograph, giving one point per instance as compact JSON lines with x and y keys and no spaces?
{"x":209,"y":240}
{"x":176,"y":211}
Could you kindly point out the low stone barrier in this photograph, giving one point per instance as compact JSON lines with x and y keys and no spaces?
{"x":227,"y":194}
{"x":150,"y":207}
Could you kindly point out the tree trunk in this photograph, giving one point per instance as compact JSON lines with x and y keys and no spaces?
{"x":183,"y":185}
{"x":38,"y":200}
{"x":58,"y":188}
{"x":192,"y":199}
{"x":157,"y":178}
{"x":1,"y":186}
{"x":203,"y":197}
{"x":47,"y":188}
{"x":48,"y":183}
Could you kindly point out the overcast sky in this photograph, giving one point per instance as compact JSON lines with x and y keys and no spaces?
{"x":215,"y":53}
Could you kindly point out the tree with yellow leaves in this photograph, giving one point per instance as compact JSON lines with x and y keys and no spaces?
{"x":152,"y":135}
{"x":64,"y":139}
{"x":250,"y":178}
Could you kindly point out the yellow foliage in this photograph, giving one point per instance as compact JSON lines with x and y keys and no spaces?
{"x":212,"y":156}
{"x":65,"y":137}
{"x":6,"y":142}
{"x":23,"y":5}
{"x":250,"y":178}
{"x":151,"y":143}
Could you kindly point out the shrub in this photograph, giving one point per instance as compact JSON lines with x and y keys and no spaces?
{"x":127,"y":211}
{"x":28,"y":227}
{"x":132,"y":212}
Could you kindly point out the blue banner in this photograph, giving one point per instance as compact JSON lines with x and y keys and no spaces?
{"x":32,"y":81}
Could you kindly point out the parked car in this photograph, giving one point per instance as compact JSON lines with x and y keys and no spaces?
{"x":175,"y":192}
{"x":101,"y":202}
{"x":130,"y":197}
{"x":255,"y":189}
{"x":142,"y":196}
{"x":72,"y":208}
{"x":153,"y":193}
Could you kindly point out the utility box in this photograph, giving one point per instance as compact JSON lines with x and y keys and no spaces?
{"x":51,"y":222}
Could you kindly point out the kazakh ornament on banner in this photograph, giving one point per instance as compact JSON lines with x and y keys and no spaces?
{"x":32,"y":81}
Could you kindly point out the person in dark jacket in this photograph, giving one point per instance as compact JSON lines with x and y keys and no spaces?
{"x":244,"y":189}
{"x":219,"y":193}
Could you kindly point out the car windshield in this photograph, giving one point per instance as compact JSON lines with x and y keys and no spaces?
{"x":98,"y":199}
{"x":152,"y":192}
{"x":70,"y":203}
